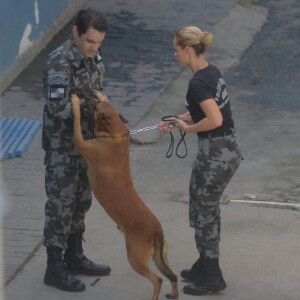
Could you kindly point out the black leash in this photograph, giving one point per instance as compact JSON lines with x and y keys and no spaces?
{"x":172,"y":142}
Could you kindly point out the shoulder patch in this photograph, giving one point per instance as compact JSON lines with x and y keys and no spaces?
{"x":57,"y":92}
{"x":57,"y":77}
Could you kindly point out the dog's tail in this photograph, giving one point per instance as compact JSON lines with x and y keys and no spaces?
{"x":160,"y":258}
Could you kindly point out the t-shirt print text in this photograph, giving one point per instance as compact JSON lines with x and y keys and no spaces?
{"x":222,"y":97}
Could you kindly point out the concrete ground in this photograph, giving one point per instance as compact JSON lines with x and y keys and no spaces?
{"x":260,"y":245}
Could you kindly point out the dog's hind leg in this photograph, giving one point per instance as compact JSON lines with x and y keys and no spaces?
{"x":160,"y":258}
{"x":138,"y":256}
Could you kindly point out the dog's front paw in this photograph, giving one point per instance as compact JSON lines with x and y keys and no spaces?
{"x":170,"y":296}
{"x":100,"y":96}
{"x":75,"y":105}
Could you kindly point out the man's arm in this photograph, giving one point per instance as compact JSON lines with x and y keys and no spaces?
{"x":57,"y":83}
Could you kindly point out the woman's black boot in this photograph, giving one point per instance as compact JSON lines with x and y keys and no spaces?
{"x":211,"y":279}
{"x":78,"y":263}
{"x":194,"y":272}
{"x":57,"y":275}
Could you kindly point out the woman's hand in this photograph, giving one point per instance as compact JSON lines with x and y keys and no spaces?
{"x":164,"y":126}
{"x":186,"y":117}
{"x":75,"y":105}
{"x":181,"y":124}
{"x":167,"y":126}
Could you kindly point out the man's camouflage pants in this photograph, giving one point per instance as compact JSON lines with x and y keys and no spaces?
{"x":69,"y":198}
{"x":217,"y":160}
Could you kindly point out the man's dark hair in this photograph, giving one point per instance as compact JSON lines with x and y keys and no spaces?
{"x":90,"y":17}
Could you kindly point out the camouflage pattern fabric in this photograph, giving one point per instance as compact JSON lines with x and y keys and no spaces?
{"x":67,"y":71}
{"x":69,"y":198}
{"x":217,"y":160}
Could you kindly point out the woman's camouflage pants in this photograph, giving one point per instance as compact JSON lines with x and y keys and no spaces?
{"x":69,"y":198}
{"x":217,"y":160}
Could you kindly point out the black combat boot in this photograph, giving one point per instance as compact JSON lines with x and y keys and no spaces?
{"x":211,"y":279}
{"x":76,"y":261}
{"x":57,"y":274}
{"x":194,"y":272}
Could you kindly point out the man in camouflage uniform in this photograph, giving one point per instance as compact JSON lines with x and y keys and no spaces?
{"x":74,"y":67}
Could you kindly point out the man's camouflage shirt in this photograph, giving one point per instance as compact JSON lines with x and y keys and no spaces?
{"x":67,"y":71}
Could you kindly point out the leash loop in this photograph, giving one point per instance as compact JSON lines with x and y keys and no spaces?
{"x":172,"y":142}
{"x":172,"y":124}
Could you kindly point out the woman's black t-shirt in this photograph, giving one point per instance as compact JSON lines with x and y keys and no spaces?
{"x":208,"y":83}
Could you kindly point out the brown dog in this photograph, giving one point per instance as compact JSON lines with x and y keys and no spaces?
{"x":107,"y":156}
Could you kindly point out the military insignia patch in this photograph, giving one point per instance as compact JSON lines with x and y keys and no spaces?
{"x":57,"y":92}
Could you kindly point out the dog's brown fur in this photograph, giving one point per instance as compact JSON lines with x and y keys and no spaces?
{"x":109,"y":175}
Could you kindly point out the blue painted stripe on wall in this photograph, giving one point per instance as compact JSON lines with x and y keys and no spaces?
{"x":16,"y":136}
{"x":15,"y":15}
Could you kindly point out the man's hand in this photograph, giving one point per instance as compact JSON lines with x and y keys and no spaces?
{"x":75,"y":105}
{"x":100,"y":96}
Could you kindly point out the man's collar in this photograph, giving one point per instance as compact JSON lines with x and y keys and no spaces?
{"x":77,"y":52}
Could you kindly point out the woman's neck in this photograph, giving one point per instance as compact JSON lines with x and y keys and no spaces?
{"x":198,"y":63}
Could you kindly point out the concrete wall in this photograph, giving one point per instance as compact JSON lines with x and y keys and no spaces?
{"x":26,"y":26}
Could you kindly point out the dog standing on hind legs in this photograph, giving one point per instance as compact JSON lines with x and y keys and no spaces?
{"x":109,"y":175}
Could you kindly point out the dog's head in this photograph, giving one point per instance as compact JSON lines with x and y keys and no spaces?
{"x":109,"y":122}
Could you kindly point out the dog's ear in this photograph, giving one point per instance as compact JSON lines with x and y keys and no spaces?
{"x":103,"y":119}
{"x":124,"y":120}
{"x":107,"y":119}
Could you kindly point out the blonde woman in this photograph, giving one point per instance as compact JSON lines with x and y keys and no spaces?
{"x":209,"y":116}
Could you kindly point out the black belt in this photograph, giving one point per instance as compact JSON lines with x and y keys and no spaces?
{"x":209,"y":135}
